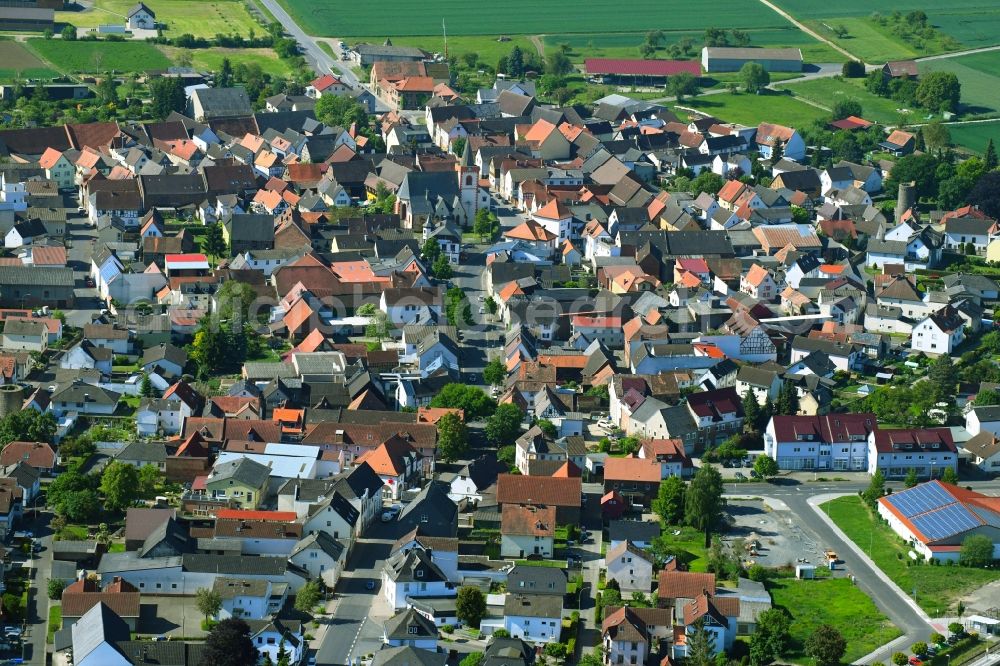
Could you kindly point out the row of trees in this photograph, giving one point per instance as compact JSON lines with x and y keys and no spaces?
{"x":81,"y":497}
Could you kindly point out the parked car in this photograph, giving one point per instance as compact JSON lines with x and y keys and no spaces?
{"x":741,"y":476}
{"x":11,"y":631}
{"x":390,"y":514}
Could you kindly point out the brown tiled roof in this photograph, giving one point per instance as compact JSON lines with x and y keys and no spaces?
{"x":257,"y":529}
{"x":684,"y":584}
{"x":527,"y":520}
{"x":35,"y":454}
{"x":632,"y":469}
{"x":419,"y":435}
{"x":555,"y":491}
{"x":94,"y":135}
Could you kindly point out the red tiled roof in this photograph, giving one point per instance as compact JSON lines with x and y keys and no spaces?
{"x":631,"y":469}
{"x":245,"y":514}
{"x":685,"y":584}
{"x":557,"y":491}
{"x":635,"y":67}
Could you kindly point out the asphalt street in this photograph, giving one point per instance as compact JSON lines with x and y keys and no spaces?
{"x":323,"y":61}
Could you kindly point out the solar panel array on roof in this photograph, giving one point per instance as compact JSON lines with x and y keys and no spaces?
{"x":920,"y":499}
{"x":945,"y":522}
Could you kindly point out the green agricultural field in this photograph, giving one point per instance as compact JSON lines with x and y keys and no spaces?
{"x":201,"y":19}
{"x":938,"y":588}
{"x":866,"y":40}
{"x":973,"y":23}
{"x":16,"y":60}
{"x":211,"y":59}
{"x":100,"y":56}
{"x":753,"y":109}
{"x":834,"y":601}
{"x":978,"y":74}
{"x":829,"y":91}
{"x":519,"y":17}
{"x":973,"y":136}
{"x":626,"y":44}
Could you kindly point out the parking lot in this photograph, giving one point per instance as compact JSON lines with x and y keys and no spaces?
{"x":782,"y":542}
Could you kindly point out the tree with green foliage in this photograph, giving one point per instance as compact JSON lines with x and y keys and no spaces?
{"x":669,"y":503}
{"x":472,"y":659}
{"x":150,"y":478}
{"x":752,"y":411}
{"x":453,"y":437}
{"x":943,"y":375}
{"x":919,"y":648}
{"x":167,"y":96}
{"x":938,"y":91}
{"x":119,"y":485}
{"x":490,"y":305}
{"x":504,"y":425}
{"x":754,"y":77}
{"x":846,"y":107}
{"x":483,"y":224}
{"x":949,"y":476}
{"x":236,"y":301}
{"x":309,"y":596}
{"x":341,"y":111}
{"x":214,"y":243}
{"x":765,"y":466}
{"x":441,"y":268}
{"x":55,"y":588}
{"x":875,"y":490}
{"x":558,"y":63}
{"x":826,"y":645}
{"x":229,"y":644}
{"x":507,"y":455}
{"x":703,"y":502}
{"x":911,"y":479}
{"x":716,"y":37}
{"x":683,"y":85}
{"x":990,"y":156}
{"x":853,"y":69}
{"x":107,"y":90}
{"x":900,"y":658}
{"x":28,"y":425}
{"x":770,"y":639}
{"x":146,"y":389}
{"x":936,"y":136}
{"x":548,"y":428}
{"x":495,"y":372}
{"x":208,"y":602}
{"x":68,"y":33}
{"x":472,"y":399}
{"x":977,"y":551}
{"x":701,"y":646}
{"x":707,"y":181}
{"x":470,"y":605}
{"x":919,"y":169}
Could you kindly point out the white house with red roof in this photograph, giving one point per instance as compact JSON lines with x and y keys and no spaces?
{"x":831,"y":441}
{"x":757,"y":282}
{"x":895,"y":452}
{"x":328,"y":84}
{"x":935,"y":518}
{"x":556,"y":218}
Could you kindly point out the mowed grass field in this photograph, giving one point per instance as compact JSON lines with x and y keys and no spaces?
{"x":979,"y":74}
{"x":100,"y":56}
{"x":16,"y":60}
{"x":973,"y":136}
{"x":938,"y":588}
{"x":834,"y":601}
{"x":201,"y":19}
{"x":519,"y":17}
{"x":754,"y":109}
{"x":829,"y":91}
{"x":211,"y":59}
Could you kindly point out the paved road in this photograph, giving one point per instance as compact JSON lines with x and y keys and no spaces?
{"x":37,"y":612}
{"x":323,"y":61}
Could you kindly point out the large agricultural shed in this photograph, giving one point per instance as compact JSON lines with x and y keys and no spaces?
{"x":729,"y":59}
{"x":638,"y":72}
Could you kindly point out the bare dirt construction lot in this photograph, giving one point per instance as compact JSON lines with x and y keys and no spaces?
{"x":782,"y":541}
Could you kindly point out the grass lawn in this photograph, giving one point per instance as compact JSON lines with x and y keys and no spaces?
{"x":973,"y":136}
{"x":938,"y":587}
{"x":211,"y":59}
{"x":865,"y":39}
{"x":201,"y":19}
{"x":100,"y":56}
{"x":16,"y":60}
{"x":688,"y":546}
{"x":834,"y":601}
{"x":55,"y":622}
{"x":518,"y":17}
{"x":829,"y":91}
{"x":73,"y":533}
{"x":977,"y":74}
{"x":753,"y":109}
{"x":552,"y":564}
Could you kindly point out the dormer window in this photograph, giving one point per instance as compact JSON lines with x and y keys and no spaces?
{"x":420,"y":573}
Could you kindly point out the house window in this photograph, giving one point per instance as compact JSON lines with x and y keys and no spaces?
{"x":420,"y":573}
{"x":411,"y":630}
